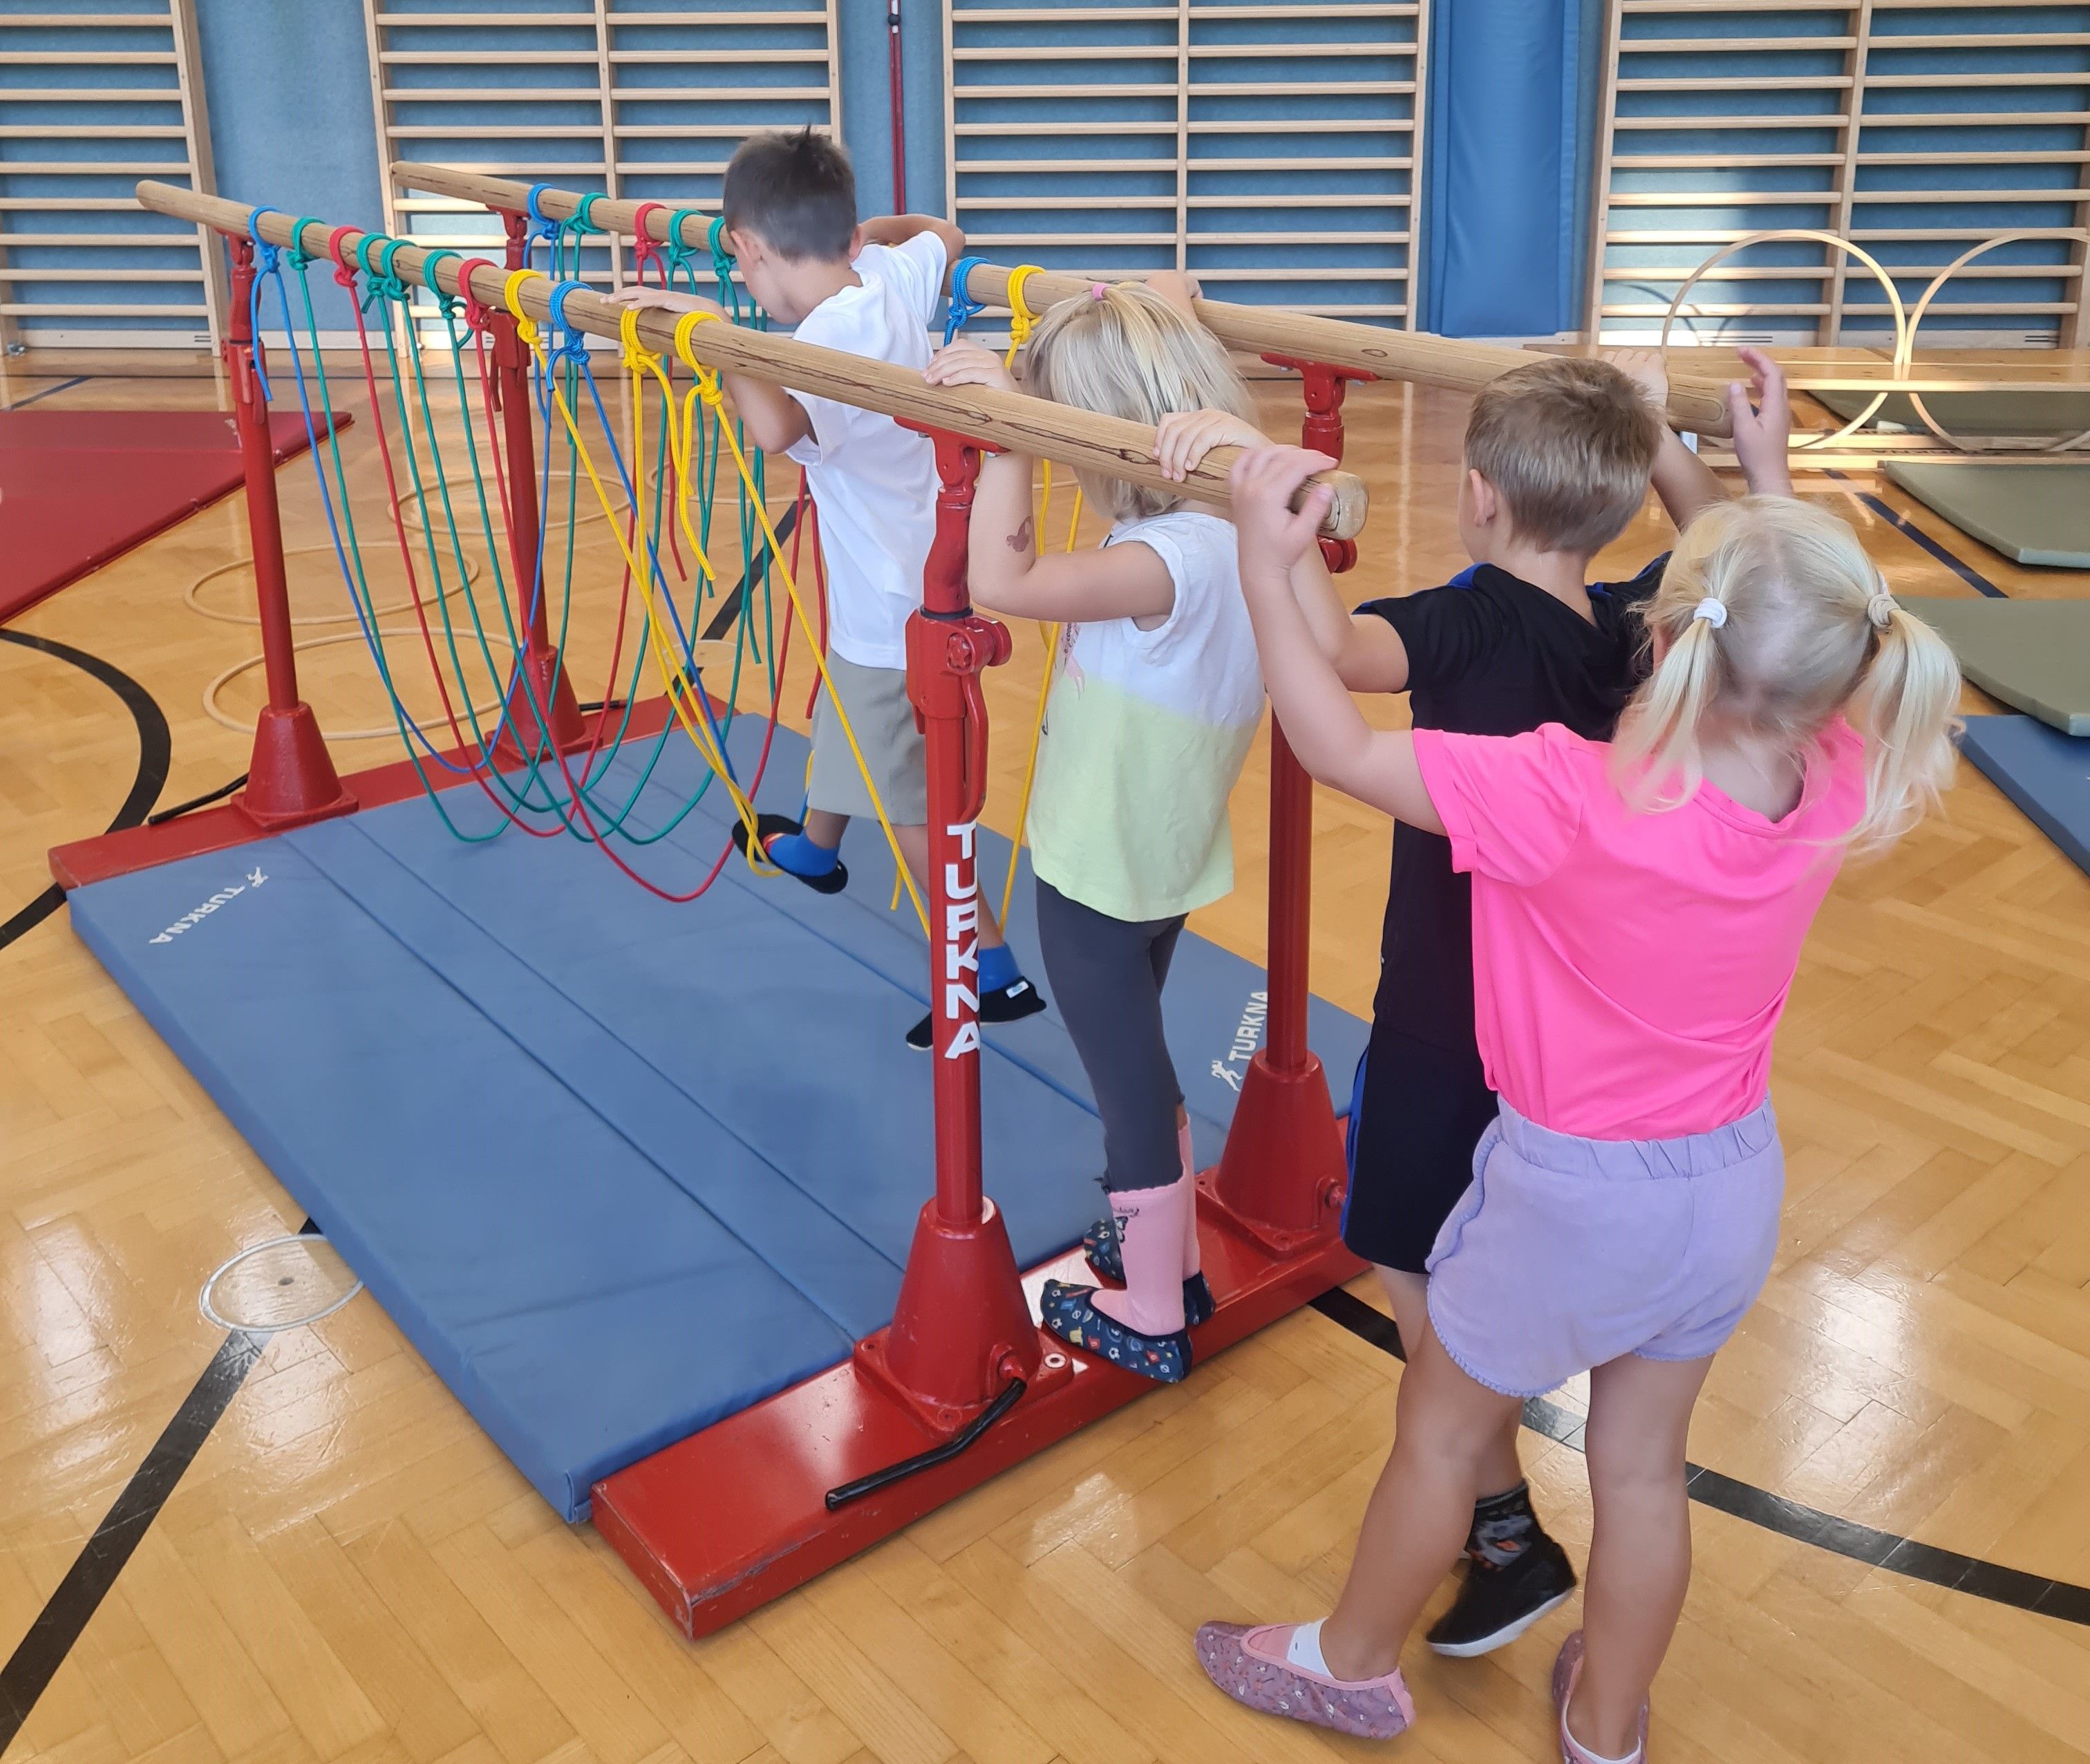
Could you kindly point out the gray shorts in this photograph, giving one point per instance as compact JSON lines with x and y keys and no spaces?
{"x":882,"y":722}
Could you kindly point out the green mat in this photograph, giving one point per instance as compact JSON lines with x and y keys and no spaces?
{"x":2033,"y":655}
{"x":1973,"y":413}
{"x":2035,"y":511}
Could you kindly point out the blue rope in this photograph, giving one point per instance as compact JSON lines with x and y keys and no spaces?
{"x":268,"y":259}
{"x":964,"y":307}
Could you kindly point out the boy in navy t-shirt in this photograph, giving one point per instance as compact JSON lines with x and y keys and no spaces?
{"x":1559,"y":457}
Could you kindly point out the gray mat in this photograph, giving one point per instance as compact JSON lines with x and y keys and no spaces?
{"x":2033,"y":655}
{"x":2035,"y":511}
{"x":1973,"y":413}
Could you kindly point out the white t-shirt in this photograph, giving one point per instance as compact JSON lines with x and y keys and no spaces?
{"x":1144,"y":734}
{"x":874,"y":482}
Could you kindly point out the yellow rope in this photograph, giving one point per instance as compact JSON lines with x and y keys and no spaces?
{"x":713,"y":395}
{"x":680,"y":689}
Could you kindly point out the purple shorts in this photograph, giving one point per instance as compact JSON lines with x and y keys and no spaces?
{"x":1566,"y":1253}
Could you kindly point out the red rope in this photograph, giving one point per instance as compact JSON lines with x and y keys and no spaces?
{"x":645,"y":248}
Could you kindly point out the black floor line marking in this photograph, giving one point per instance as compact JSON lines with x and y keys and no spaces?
{"x":729,"y":607}
{"x":155,"y":753}
{"x":30,"y":1669}
{"x":1774,"y":1513}
{"x":63,"y":386}
{"x":1965,"y":572}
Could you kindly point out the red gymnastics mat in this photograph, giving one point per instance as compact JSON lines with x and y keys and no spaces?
{"x":78,"y":487}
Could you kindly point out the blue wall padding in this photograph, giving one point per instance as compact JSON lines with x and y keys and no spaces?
{"x":2046,"y":773}
{"x":618,"y":1167}
{"x":1505,"y":131}
{"x":307,"y":146}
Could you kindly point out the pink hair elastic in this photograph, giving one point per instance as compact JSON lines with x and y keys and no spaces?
{"x":1099,"y":291}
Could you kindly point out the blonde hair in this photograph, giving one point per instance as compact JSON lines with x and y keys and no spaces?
{"x":1770,"y":621}
{"x":1122,"y":351}
{"x":1569,"y":443}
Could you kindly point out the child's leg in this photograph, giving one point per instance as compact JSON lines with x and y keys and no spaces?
{"x":1103,"y":976}
{"x":1416,"y":1524}
{"x":1501,"y":1468}
{"x":1640,"y":1555}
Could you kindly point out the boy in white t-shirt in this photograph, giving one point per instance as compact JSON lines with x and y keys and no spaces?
{"x":873,"y":290}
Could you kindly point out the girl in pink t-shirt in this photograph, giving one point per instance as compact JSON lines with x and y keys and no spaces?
{"x":1638,"y":914}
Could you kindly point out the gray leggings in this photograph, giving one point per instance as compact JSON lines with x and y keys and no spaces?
{"x":1107,"y":975}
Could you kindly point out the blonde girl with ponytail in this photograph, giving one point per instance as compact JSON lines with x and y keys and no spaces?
{"x":1770,"y":625}
{"x":1639,"y":908}
{"x":1154,"y":698}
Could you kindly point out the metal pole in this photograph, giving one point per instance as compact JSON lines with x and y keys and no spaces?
{"x":290,"y":777}
{"x":541,"y":701}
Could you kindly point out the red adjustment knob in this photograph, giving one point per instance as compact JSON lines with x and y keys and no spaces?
{"x":1339,"y":554}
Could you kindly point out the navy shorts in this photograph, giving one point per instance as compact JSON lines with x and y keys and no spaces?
{"x":1416,"y":1112}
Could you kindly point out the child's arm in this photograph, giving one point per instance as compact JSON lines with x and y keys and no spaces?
{"x":773,"y":419}
{"x":1683,"y":481}
{"x":1006,"y":573}
{"x":1321,"y":721}
{"x":1367,"y":652}
{"x":897,"y":229}
{"x":1762,"y":418}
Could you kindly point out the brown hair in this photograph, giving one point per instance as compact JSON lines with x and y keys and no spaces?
{"x":1569,"y":443}
{"x":795,"y":191}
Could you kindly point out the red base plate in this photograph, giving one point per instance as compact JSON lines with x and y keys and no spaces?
{"x":229,"y":825}
{"x":736,"y":1516}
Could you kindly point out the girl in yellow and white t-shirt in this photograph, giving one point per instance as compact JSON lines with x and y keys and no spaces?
{"x":1155,"y":698}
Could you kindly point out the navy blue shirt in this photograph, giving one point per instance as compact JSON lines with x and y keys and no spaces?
{"x":1488,"y":654}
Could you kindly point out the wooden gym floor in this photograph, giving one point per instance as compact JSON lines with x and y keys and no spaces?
{"x":348,"y":1570}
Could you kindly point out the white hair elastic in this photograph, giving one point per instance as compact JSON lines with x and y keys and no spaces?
{"x":1880,"y":609}
{"x":1714,"y":613}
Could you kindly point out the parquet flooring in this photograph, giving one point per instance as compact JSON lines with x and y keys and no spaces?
{"x":350,"y":1571}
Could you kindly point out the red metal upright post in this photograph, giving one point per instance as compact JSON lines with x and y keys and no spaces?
{"x":897,"y":75}
{"x":1282,"y":1176}
{"x":291,"y":778}
{"x":540,"y":699}
{"x":961,"y":1330}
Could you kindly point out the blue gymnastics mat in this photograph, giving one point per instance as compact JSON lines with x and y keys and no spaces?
{"x":2046,"y":773}
{"x":618,"y":1169}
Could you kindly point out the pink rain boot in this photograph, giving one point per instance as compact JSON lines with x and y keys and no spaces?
{"x":1140,"y":1328}
{"x":1198,"y":1304}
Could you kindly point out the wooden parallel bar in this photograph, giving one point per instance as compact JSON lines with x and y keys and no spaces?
{"x":1012,"y":419}
{"x":1390,"y":355}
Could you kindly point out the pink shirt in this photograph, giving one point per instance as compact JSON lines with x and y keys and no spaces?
{"x":1629,"y":969}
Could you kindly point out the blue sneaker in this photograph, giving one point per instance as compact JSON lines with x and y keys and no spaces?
{"x":1066,"y":1311}
{"x":1099,"y":1245}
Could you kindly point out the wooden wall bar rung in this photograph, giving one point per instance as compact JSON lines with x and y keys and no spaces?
{"x":779,"y":65}
{"x":161,"y":103}
{"x":1846,"y":166}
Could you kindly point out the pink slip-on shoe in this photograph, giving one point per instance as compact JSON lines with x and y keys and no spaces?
{"x":1249,"y":1664}
{"x":1567,"y":1668}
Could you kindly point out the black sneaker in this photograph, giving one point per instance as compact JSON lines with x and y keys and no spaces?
{"x":769,"y":827}
{"x":1496,"y":1605}
{"x":1007,"y":1004}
